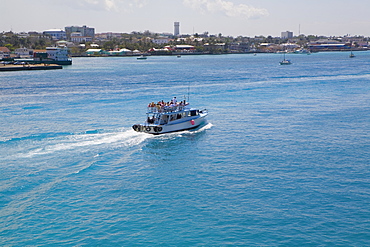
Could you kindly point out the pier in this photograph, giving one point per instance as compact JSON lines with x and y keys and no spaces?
{"x":18,"y":67}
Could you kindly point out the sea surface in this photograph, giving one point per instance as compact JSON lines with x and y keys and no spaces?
{"x":284,"y":159}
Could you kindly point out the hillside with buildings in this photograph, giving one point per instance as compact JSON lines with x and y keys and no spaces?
{"x":83,"y":41}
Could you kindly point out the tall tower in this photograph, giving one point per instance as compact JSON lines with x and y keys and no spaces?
{"x":176,"y":28}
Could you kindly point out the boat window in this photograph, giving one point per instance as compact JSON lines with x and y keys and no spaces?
{"x":164,"y":119}
{"x":193,"y":113}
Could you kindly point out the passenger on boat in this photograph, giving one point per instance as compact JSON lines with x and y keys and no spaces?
{"x":171,"y":106}
{"x":151,"y":120}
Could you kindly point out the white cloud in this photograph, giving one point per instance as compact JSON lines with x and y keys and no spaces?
{"x":113,"y":5}
{"x":110,"y":4}
{"x":226,"y":7}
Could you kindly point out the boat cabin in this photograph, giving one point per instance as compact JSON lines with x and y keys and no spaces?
{"x":170,"y":116}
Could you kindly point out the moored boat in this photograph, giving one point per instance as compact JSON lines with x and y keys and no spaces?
{"x":164,"y":118}
{"x":285,"y":61}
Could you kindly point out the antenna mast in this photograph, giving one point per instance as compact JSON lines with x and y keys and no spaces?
{"x":189,"y":92}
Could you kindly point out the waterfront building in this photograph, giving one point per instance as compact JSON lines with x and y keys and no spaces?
{"x":91,"y":52}
{"x":176,"y":28}
{"x":84,"y":30}
{"x":161,"y":40}
{"x":316,"y":47}
{"x":286,"y":35}
{"x":64,"y":43}
{"x":58,"y":53}
{"x":107,"y":36}
{"x":76,"y":37}
{"x":290,"y":46}
{"x":120,"y":52}
{"x":56,"y":34}
{"x":23,"y":52}
{"x":4,"y":52}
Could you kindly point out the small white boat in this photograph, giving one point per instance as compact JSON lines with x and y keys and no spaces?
{"x":165,"y":119}
{"x":142,"y":57}
{"x":352,"y":55}
{"x":285,"y":61}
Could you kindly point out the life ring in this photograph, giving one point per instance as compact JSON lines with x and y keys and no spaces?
{"x":159,"y":129}
{"x":147,"y":128}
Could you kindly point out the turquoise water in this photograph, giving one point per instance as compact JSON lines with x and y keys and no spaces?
{"x":282,"y":161}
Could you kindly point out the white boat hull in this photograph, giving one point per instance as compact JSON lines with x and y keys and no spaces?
{"x":183,"y":124}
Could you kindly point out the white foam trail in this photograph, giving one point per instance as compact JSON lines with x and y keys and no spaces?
{"x":88,"y":141}
{"x":205,"y":127}
{"x":201,"y":129}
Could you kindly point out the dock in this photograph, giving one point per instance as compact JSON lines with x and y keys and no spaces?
{"x":18,"y":67}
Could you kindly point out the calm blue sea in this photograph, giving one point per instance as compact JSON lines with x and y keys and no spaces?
{"x":284,"y":159}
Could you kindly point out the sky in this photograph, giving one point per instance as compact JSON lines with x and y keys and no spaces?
{"x":229,"y":17}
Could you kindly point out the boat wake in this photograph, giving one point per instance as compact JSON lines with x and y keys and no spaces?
{"x":202,"y":128}
{"x":81,"y":142}
{"x":96,"y":142}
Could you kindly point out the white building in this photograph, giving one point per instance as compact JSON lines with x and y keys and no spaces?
{"x":161,"y":40}
{"x":23,"y":52}
{"x":91,"y":51}
{"x":56,"y":34}
{"x":290,"y":46}
{"x":58,"y":53}
{"x":84,"y":30}
{"x":76,"y":37}
{"x":122,"y":51}
{"x":286,"y":35}
{"x":4,"y":52}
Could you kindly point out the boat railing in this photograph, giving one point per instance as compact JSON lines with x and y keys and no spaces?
{"x":165,"y":109}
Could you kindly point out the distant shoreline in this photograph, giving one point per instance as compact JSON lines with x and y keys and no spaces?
{"x":201,"y":53}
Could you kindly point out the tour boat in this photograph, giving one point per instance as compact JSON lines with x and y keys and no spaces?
{"x":176,"y":117}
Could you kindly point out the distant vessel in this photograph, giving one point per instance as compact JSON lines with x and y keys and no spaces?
{"x":52,"y":55}
{"x":352,"y":55}
{"x":163,"y":118}
{"x":142,"y":57}
{"x":302,"y":51}
{"x":285,"y":61}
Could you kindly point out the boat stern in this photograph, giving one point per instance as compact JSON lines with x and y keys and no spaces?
{"x":147,"y":129}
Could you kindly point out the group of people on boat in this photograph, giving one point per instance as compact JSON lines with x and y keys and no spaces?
{"x":162,"y":106}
